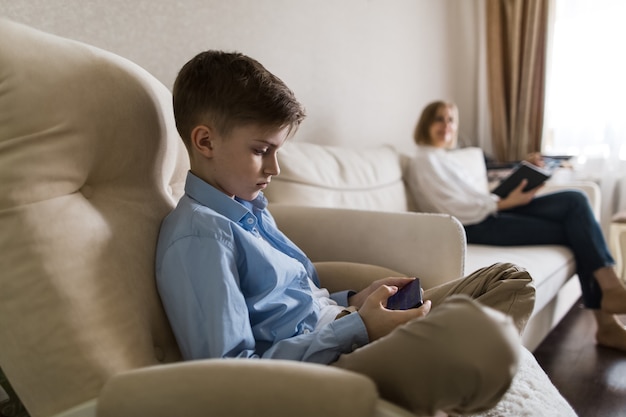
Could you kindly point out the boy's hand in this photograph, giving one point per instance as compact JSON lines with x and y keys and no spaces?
{"x":359,"y":298}
{"x":378,"y":320}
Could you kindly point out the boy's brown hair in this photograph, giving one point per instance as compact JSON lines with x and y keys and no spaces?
{"x":229,"y":89}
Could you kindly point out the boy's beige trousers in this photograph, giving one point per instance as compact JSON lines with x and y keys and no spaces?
{"x":462,"y":356}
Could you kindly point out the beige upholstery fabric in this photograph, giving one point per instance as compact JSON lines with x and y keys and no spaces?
{"x":88,"y":157}
{"x":337,"y":276}
{"x":328,"y":176}
{"x":230,"y":387}
{"x":429,"y":246}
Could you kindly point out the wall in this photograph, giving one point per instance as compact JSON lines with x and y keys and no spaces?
{"x":362,"y":68}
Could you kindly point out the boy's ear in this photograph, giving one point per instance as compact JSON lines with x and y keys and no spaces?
{"x":202,"y":140}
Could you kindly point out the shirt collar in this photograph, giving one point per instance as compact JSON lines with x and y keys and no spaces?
{"x":237,"y":210}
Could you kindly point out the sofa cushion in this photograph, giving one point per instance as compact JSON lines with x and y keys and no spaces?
{"x":329,"y":176}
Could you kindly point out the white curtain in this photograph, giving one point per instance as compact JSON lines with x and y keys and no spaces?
{"x":586,"y":95}
{"x":586,"y":86}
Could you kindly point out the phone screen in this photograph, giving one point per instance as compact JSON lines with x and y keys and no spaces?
{"x":409,"y":296}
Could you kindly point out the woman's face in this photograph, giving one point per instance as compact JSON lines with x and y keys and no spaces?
{"x":443,"y":128}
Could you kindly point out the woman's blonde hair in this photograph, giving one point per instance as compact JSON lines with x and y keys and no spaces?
{"x":421,"y":135}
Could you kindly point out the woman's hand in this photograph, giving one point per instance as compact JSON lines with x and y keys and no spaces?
{"x":518,"y":197}
{"x":536,"y":159}
{"x":359,"y":298}
{"x":378,"y":320}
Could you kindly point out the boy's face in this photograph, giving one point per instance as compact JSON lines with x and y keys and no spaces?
{"x":243,"y":163}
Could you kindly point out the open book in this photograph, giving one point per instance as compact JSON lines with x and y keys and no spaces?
{"x":525,"y":170}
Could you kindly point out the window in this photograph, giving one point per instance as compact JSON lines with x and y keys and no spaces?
{"x":586,"y":82}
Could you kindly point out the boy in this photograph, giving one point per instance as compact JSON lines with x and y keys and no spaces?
{"x":234,"y":286}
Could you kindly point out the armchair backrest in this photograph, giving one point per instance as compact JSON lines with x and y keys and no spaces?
{"x":90,"y":162}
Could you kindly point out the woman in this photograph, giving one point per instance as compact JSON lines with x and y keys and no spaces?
{"x":521,"y":218}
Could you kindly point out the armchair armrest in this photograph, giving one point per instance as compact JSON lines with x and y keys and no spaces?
{"x":430,"y":246}
{"x":337,"y":276}
{"x":238,"y":388}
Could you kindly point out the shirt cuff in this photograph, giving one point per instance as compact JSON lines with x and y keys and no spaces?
{"x":494,"y":202}
{"x":341,"y":297}
{"x":350,"y":332}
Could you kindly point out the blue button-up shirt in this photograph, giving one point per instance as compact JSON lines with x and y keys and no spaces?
{"x":233,"y":285}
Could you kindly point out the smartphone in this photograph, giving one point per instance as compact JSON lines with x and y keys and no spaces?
{"x":409,"y":296}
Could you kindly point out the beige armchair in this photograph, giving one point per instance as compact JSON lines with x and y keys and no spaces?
{"x":90,"y":162}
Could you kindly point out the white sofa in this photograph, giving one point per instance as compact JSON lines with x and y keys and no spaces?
{"x":371,"y":179}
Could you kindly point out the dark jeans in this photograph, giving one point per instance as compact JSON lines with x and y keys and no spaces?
{"x":560,"y":218}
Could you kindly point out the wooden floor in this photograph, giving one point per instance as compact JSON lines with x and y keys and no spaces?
{"x":591,"y":378}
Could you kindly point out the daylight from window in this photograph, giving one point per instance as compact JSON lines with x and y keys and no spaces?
{"x":586,"y":84}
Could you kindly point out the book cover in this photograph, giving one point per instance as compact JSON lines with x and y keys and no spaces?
{"x":525,"y":170}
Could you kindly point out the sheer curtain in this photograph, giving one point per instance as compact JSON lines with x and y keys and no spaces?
{"x":586,"y":85}
{"x":586,"y":95}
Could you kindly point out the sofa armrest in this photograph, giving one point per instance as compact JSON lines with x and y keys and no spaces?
{"x":591,"y":189}
{"x":238,"y":388}
{"x":429,"y":246}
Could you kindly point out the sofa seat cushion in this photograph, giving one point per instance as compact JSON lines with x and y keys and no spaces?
{"x":549,"y":265}
{"x":329,"y":176}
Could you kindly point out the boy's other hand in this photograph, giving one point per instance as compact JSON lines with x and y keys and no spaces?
{"x":359,"y":298}
{"x":380,"y":321}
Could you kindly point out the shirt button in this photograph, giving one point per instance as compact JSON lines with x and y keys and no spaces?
{"x":306,"y":331}
{"x":250,"y":221}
